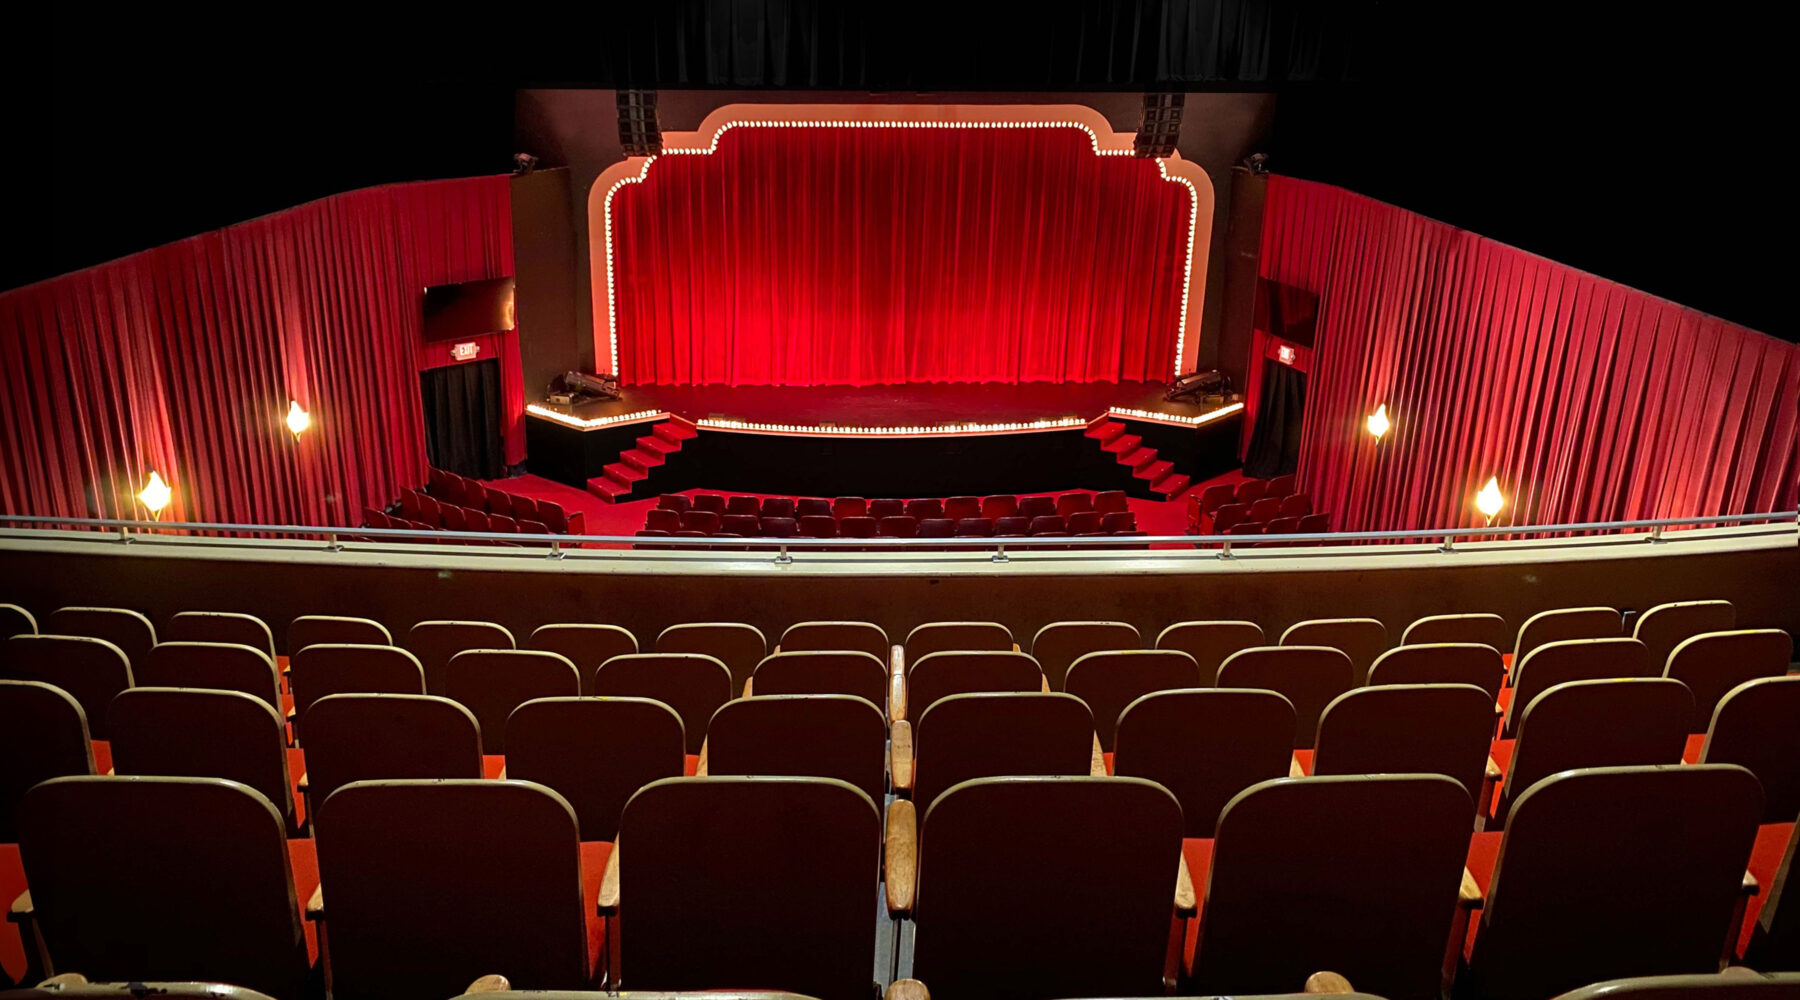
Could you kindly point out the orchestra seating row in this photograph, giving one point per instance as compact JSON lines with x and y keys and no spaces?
{"x":446,"y":490}
{"x":1259,"y":499}
{"x":993,"y":508}
{"x":663,"y":521}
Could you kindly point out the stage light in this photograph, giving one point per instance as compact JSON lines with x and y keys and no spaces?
{"x":1378,"y":422}
{"x":570,"y":420}
{"x":1489,"y":501}
{"x":156,"y":495}
{"x":1175,"y":418}
{"x":298,"y":420}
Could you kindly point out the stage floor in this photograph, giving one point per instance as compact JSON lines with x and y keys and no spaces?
{"x":922,"y":404}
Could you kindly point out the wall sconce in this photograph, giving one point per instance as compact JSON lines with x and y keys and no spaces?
{"x":1378,"y":422}
{"x":298,"y":420}
{"x":156,"y":495}
{"x":1489,"y":501}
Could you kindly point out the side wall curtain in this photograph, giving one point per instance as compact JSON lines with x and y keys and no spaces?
{"x":1589,"y":400}
{"x":183,"y":359}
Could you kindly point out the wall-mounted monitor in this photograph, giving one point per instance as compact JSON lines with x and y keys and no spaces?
{"x":469,"y":309}
{"x":1286,"y":312}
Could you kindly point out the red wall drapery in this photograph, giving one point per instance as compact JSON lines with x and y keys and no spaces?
{"x":864,"y":256}
{"x":183,"y":359}
{"x":1589,"y":400}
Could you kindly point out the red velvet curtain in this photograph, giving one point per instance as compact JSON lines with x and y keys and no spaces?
{"x":1589,"y":400}
{"x":865,"y":256}
{"x":183,"y":359}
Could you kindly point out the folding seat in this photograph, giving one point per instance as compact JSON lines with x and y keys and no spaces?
{"x":898,"y":527}
{"x":492,"y":682}
{"x":1037,"y":506}
{"x":1643,"y":866}
{"x":938,"y":637}
{"x":713,"y":502}
{"x":992,"y":734}
{"x":1107,"y":682}
{"x":650,"y":533}
{"x":1736,"y":983}
{"x":586,"y":646}
{"x":1565,"y":623}
{"x":220,"y":626}
{"x":1210,"y":643}
{"x":842,"y":671}
{"x":1757,"y":726}
{"x":1246,"y":528}
{"x":1265,"y":509}
{"x":974,"y":527}
{"x":43,"y":735}
{"x":1205,"y":746}
{"x":373,"y":518}
{"x":1115,"y":847}
{"x":1715,"y":663}
{"x":998,"y":506}
{"x":924,"y":508}
{"x":1111,"y":502}
{"x":220,"y":666}
{"x":474,"y":496}
{"x":1315,"y":524}
{"x":1356,"y":874}
{"x":778,"y":527}
{"x":410,"y":506}
{"x":329,"y":668}
{"x":434,"y":883}
{"x":1571,"y":660}
{"x":1664,"y":626}
{"x":1083,"y":522}
{"x":435,"y":642}
{"x":856,"y":527}
{"x":15,"y":620}
{"x":801,"y":735}
{"x":812,"y":507}
{"x":1216,"y":496}
{"x":1774,"y":941}
{"x":1309,"y":677}
{"x":673,"y":501}
{"x":1073,"y":503}
{"x":1297,"y":505}
{"x":456,"y":490}
{"x":818,"y":526}
{"x":1049,"y":524}
{"x":740,"y":647}
{"x":1283,"y":526}
{"x":803,"y":853}
{"x":742,"y":504}
{"x":1118,"y":521}
{"x":844,"y":507}
{"x":1489,"y":630}
{"x":500,"y":503}
{"x":596,"y":753}
{"x":1361,"y":639}
{"x":431,"y":512}
{"x":1249,"y":491}
{"x":660,"y":519}
{"x":311,"y":630}
{"x":704,"y":521}
{"x":692,"y":684}
{"x":741,"y":525}
{"x":937,"y":527}
{"x":939,"y":675}
{"x":777,"y":507}
{"x":864,"y":636}
{"x":475,"y":520}
{"x":1281,"y":486}
{"x":1442,"y":663}
{"x":503,"y":524}
{"x":128,"y":630}
{"x":957,"y":508}
{"x":1059,"y":644}
{"x":195,"y":885}
{"x":879,"y":509}
{"x":91,"y":670}
{"x":455,"y":518}
{"x":551,"y":513}
{"x":437,"y":481}
{"x":1012,"y":527}
{"x":366,"y":737}
{"x":1409,"y":729}
{"x":1229,"y":516}
{"x":74,"y":986}
{"x":193,"y":733}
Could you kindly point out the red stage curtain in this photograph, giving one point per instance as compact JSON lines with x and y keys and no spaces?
{"x":866,"y":256}
{"x":1589,"y":400}
{"x":183,"y":359}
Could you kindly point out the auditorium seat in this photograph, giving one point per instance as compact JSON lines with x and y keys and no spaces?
{"x":455,"y":518}
{"x":475,"y":520}
{"x":802,"y":854}
{"x":898,"y":527}
{"x":1409,"y":729}
{"x":1049,"y":524}
{"x":1736,"y":983}
{"x":128,"y":630}
{"x":1012,"y":527}
{"x":373,"y":518}
{"x":838,"y":671}
{"x":1108,"y":681}
{"x":416,"y":917}
{"x":675,"y":502}
{"x":937,"y":637}
{"x":801,"y":735}
{"x":991,"y":734}
{"x":1665,"y":626}
{"x":1209,"y":643}
{"x":712,"y":503}
{"x":43,"y":735}
{"x":937,"y":527}
{"x":740,"y":647}
{"x":15,"y":620}
{"x":922,"y":509}
{"x":1265,"y":509}
{"x":1361,"y":639}
{"x":957,"y":508}
{"x":693,"y":684}
{"x":366,"y":737}
{"x":456,"y":490}
{"x":1281,"y":486}
{"x":1111,"y":502}
{"x":1571,"y":660}
{"x":741,"y":525}
{"x":1775,"y":937}
{"x":1757,"y":726}
{"x":435,"y":642}
{"x":1641,"y":865}
{"x":1205,"y":746}
{"x":1565,"y":623}
{"x":939,"y":675}
{"x":1059,"y":644}
{"x":886,"y":507}
{"x":856,"y":526}
{"x":844,"y":507}
{"x":1315,"y":524}
{"x":1373,"y":901}
{"x":220,"y":626}
{"x":704,"y":521}
{"x":661,"y":519}
{"x":1039,"y":506}
{"x":778,"y":527}
{"x":818,"y":526}
{"x":92,"y":670}
{"x":1073,"y":503}
{"x":1487,"y":629}
{"x":1083,"y":522}
{"x":812,"y":507}
{"x":1715,"y":663}
{"x":188,"y":733}
{"x":1246,"y":528}
{"x":499,"y":503}
{"x":776,"y":507}
{"x":1117,"y":521}
{"x":475,"y":496}
{"x":1101,"y":927}
{"x":1296,"y":505}
{"x":1282,"y":526}
{"x":329,"y":668}
{"x":1249,"y":491}
{"x":1211,"y":499}
{"x":998,"y":506}
{"x":437,"y":481}
{"x":431,"y":512}
{"x":1309,"y":677}
{"x":215,"y":665}
{"x":747,"y":505}
{"x":975,"y":527}
{"x":1442,"y":663}
{"x":595,"y":752}
{"x":492,"y":682}
{"x":1227,"y":517}
{"x":586,"y":646}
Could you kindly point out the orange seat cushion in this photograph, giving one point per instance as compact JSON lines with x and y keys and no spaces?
{"x":1500,"y":752}
{"x":1765,"y":861}
{"x":1484,"y":852}
{"x":1504,"y":699}
{"x":690,"y":763}
{"x":296,"y":771}
{"x":1305,"y":759}
{"x":305,"y":863}
{"x":1109,"y":762}
{"x":492,"y":764}
{"x":12,"y":882}
{"x":1198,"y":853}
{"x":594,"y":854}
{"x":1690,"y":753}
{"x":102,"y":763}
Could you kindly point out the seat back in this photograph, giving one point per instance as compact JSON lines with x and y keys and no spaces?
{"x":325,"y":669}
{"x":998,"y":506}
{"x":1361,"y":639}
{"x":1487,"y":629}
{"x":743,"y":504}
{"x":1205,"y":745}
{"x":862,"y":636}
{"x":1665,"y":626}
{"x":704,"y":521}
{"x":940,"y":637}
{"x":1409,"y":729}
{"x":937,"y":527}
{"x":193,"y":733}
{"x":1442,"y":663}
{"x":1266,"y":509}
{"x":496,"y":884}
{"x":43,"y":735}
{"x":132,"y":991}
{"x":492,"y":682}
{"x":1048,"y":524}
{"x":1603,"y":723}
{"x":777,"y":507}
{"x":818,"y":526}
{"x":743,"y":525}
{"x":1013,"y":525}
{"x":926,"y":508}
{"x":1059,"y":644}
{"x":1210,"y":642}
{"x":1757,"y":726}
{"x":313,"y":630}
{"x":595,"y":752}
{"x":1356,"y":874}
{"x":91,"y":670}
{"x":1109,"y":681}
{"x":128,"y":630}
{"x":812,"y":507}
{"x":957,"y":508}
{"x":367,"y":737}
{"x":221,"y":626}
{"x":1309,"y":677}
{"x":1030,"y":507}
{"x":1568,"y":660}
{"x":693,"y":684}
{"x":1775,"y":939}
{"x":1111,"y":502}
{"x":435,"y":642}
{"x":844,"y":507}
{"x":1715,"y":663}
{"x":221,"y":666}
{"x":824,"y":672}
{"x":974,"y":527}
{"x":1737,"y":983}
{"x":988,"y":735}
{"x":586,"y":646}
{"x":778,"y":527}
{"x":897,"y":527}
{"x":15,"y":620}
{"x":939,"y":675}
{"x":1672,"y":840}
{"x":1566,"y":623}
{"x":740,"y":647}
{"x":662,"y":519}
{"x":806,"y":850}
{"x":196,"y":885}
{"x":801,"y":735}
{"x":1114,"y":845}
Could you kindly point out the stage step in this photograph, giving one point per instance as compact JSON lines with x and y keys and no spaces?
{"x":619,"y":480}
{"x":1124,"y":444}
{"x":606,"y":489}
{"x":1139,"y":458}
{"x":1171,"y":486}
{"x":642,"y":458}
{"x":621,"y":473}
{"x":656,"y":445}
{"x":1105,"y":431}
{"x":673,"y":432}
{"x":1155,"y":471}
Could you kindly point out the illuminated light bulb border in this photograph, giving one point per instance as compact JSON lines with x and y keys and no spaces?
{"x":1175,"y":418}
{"x":938,"y":430}
{"x":588,"y":424}
{"x":612,"y":312}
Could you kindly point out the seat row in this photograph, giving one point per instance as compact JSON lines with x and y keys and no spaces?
{"x":706,"y":523}
{"x":955,"y":508}
{"x":446,"y":490}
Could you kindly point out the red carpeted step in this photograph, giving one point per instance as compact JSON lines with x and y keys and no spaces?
{"x":675,"y":430}
{"x":660,"y":446}
{"x":1139,"y":458}
{"x":1123,"y":444}
{"x":1106,"y":431}
{"x":1099,"y":421}
{"x":1155,"y":470}
{"x":606,"y":489}
{"x":624,"y":474}
{"x":1171,"y":486}
{"x":638,"y":458}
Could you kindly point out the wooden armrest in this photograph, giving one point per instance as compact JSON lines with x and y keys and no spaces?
{"x":20,"y":910}
{"x":1751,"y":886}
{"x":302,"y":784}
{"x":1097,"y":765}
{"x":489,"y":984}
{"x":1185,"y":904}
{"x":112,"y":772}
{"x":749,"y":687}
{"x":315,"y":906}
{"x":1016,"y":647}
{"x":502,"y":775}
{"x":290,"y":715}
{"x":897,"y":661}
{"x":1327,"y":982}
{"x":907,"y":989}
{"x":896,"y":698}
{"x":609,"y":884}
{"x":901,"y":852}
{"x":700,"y":769}
{"x":777,"y":649}
{"x":1044,"y":685}
{"x":1493,"y":770}
{"x":1294,"y":768}
{"x":65,"y":979}
{"x":1469,"y":896}
{"x":900,"y":756}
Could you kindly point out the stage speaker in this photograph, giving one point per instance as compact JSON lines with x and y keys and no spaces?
{"x":640,"y":131}
{"x":1160,"y":127}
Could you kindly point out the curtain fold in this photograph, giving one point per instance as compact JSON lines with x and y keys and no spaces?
{"x":183,"y":358}
{"x":1588,"y":400}
{"x":871,"y":256}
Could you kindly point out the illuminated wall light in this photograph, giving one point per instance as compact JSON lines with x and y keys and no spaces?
{"x":1176,"y":418}
{"x":156,"y":495}
{"x":298,"y":420}
{"x":1378,"y":422}
{"x":570,"y":420}
{"x":1489,"y":500}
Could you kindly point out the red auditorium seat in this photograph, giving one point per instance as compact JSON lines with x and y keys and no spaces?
{"x":662,"y":519}
{"x":366,"y":737}
{"x":1315,"y":524}
{"x":500,"y":503}
{"x":1084,"y":522}
{"x":823,"y":671}
{"x":1118,"y":520}
{"x":741,"y":525}
{"x":437,"y":481}
{"x":1296,"y":505}
{"x":594,"y":752}
{"x":1228,"y":516}
{"x":974,"y":527}
{"x":903,"y":526}
{"x":1111,"y":502}
{"x":1281,"y":486}
{"x":778,"y":527}
{"x":1073,"y":503}
{"x":190,"y":733}
{"x":803,"y":736}
{"x":475,"y":495}
{"x":925,"y":508}
{"x":844,"y":507}
{"x":373,"y":518}
{"x":998,"y":506}
{"x":957,"y":508}
{"x":1108,"y":681}
{"x":777,"y":507}
{"x":818,"y":526}
{"x":1210,"y":643}
{"x":435,"y":642}
{"x":431,"y":512}
{"x":1215,"y":496}
{"x":743,"y":505}
{"x":1409,"y":729}
{"x":686,"y":533}
{"x":1246,"y":528}
{"x":712,"y":502}
{"x":540,"y":528}
{"x":409,"y":504}
{"x":812,"y":507}
{"x":937,"y":527}
{"x":456,"y":490}
{"x":989,"y":734}
{"x":1265,"y":509}
{"x":1046,"y":524}
{"x":491,"y":683}
{"x":703,"y":521}
{"x":502,"y":523}
{"x":1309,"y":677}
{"x":1250,"y":490}
{"x":674,"y":501}
{"x":1283,"y":526}
{"x":856,"y":526}
{"x":453,"y":519}
{"x":476,"y":520}
{"x":1037,"y":507}
{"x":1205,"y":745}
{"x":879,"y":509}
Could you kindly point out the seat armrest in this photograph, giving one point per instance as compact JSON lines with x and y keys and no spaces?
{"x":609,"y":884}
{"x":749,"y":687}
{"x":1493,"y":772}
{"x":1294,"y":768}
{"x":1185,"y":903}
{"x":896,"y":698}
{"x":907,"y":989}
{"x":1328,"y":982}
{"x":1097,"y":765}
{"x":1044,"y":684}
{"x":20,"y":911}
{"x":897,"y":661}
{"x":303,"y":785}
{"x":901,"y":855}
{"x":700,"y":768}
{"x":1468,"y":895}
{"x":900,"y":757}
{"x":1751,"y":887}
{"x":315,"y":905}
{"x":490,"y":984}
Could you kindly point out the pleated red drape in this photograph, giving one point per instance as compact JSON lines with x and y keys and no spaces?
{"x":1589,"y":400}
{"x":183,"y":359}
{"x":863,"y":256}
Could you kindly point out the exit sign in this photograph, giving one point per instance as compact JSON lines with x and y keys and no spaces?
{"x":464,"y":352}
